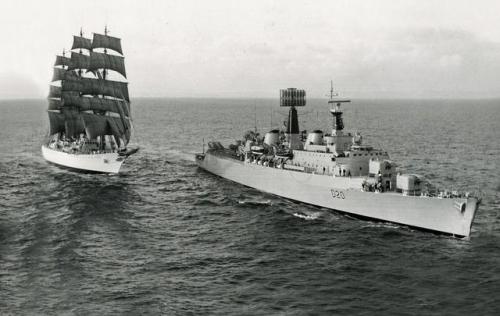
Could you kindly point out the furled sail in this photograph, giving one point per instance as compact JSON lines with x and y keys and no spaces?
{"x":105,"y":61}
{"x":54,"y":92}
{"x":56,"y":121}
{"x":95,"y":103}
{"x":92,"y":86}
{"x":79,"y":61}
{"x":81,"y":42}
{"x":105,"y":41}
{"x":62,"y":61}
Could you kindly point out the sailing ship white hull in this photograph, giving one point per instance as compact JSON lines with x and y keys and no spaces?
{"x":446,"y":215}
{"x":103,"y":163}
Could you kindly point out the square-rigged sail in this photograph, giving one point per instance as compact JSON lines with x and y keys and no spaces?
{"x":94,"y":106}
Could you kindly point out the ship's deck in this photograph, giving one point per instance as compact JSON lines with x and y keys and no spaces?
{"x":434,"y":193}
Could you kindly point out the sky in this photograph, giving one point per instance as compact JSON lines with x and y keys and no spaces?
{"x":383,"y":48}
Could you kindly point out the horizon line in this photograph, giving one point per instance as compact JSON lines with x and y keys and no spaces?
{"x":277,"y":98}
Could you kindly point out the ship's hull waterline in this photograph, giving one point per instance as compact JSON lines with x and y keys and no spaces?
{"x":452,"y":216}
{"x":99,"y":163}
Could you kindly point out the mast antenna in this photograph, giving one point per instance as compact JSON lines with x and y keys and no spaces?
{"x":255,"y":115}
{"x":332,"y":92}
{"x":81,"y":31}
{"x":271,"y":127}
{"x":338,"y":124}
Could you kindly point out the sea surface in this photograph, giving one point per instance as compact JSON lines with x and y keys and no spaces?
{"x":166,"y":238}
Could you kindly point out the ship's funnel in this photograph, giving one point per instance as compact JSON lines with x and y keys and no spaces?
{"x":292,"y":126}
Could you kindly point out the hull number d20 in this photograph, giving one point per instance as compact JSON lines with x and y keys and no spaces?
{"x":336,"y":194}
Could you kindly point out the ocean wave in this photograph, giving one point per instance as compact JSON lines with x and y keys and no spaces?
{"x":164,"y":233}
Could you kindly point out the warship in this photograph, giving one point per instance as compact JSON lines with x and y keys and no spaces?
{"x":338,"y":171}
{"x":89,"y":114}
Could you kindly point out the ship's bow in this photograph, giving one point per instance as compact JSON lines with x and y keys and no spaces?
{"x":470,"y":213}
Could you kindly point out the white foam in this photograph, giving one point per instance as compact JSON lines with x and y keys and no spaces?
{"x":308,"y":217}
{"x":255,"y":202}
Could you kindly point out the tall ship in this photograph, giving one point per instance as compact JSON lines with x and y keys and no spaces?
{"x":338,"y":171}
{"x":89,"y":110}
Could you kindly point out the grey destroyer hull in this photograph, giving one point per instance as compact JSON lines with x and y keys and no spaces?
{"x":445,"y":215}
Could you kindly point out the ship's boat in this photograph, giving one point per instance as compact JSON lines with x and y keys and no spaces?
{"x":337,"y":171}
{"x":89,"y":114}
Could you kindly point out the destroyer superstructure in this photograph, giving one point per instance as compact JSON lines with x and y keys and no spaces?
{"x":338,"y":171}
{"x":89,"y":114}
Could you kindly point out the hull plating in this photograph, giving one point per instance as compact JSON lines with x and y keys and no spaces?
{"x":451,"y":216}
{"x":105,"y":163}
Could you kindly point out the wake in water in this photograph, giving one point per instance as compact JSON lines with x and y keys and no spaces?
{"x":255,"y":202}
{"x":307,"y":217}
{"x":174,"y":228}
{"x":384,"y":225}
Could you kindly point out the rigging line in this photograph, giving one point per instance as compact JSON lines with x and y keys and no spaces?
{"x":255,"y":115}
{"x":271,"y":127}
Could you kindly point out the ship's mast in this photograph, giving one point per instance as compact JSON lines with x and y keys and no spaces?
{"x":338,"y":124}
{"x":72,"y":114}
{"x":102,"y":138}
{"x":62,"y":134}
{"x":255,"y":117}
{"x":80,"y":51}
{"x":64,"y":55}
{"x":105,"y":52}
